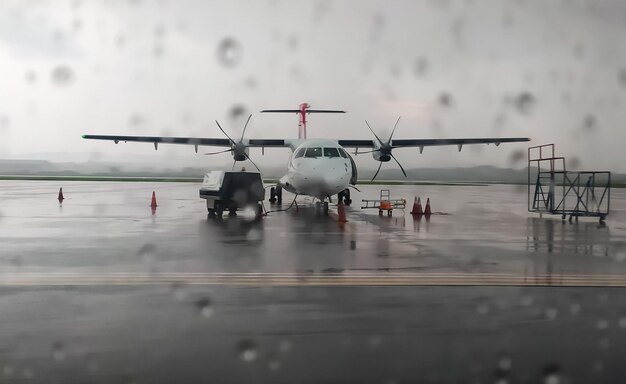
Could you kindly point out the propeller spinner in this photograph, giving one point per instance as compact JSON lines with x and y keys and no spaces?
{"x":238,"y":148}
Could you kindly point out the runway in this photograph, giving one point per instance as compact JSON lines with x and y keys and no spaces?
{"x":101,"y":289}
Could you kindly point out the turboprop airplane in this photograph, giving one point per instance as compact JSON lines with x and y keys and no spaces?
{"x":319,"y":168}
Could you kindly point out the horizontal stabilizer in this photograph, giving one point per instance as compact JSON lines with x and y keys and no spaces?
{"x":300,"y":111}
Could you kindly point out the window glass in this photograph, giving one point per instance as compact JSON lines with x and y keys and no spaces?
{"x":331,"y":152}
{"x":313,"y":152}
{"x":343,"y":153}
{"x":300,"y":152}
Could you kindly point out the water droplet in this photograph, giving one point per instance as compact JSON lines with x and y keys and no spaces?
{"x":31,"y":76}
{"x":445,"y":99}
{"x":146,"y":249}
{"x":590,"y":122}
{"x":274,"y":364}
{"x":159,"y":31}
{"x":158,"y":50}
{"x":178,"y":292}
{"x":604,"y":343}
{"x":7,"y":370}
{"x":285,"y":346}
{"x":375,"y":341}
{"x":247,"y":350}
{"x":552,"y":375}
{"x":598,"y":366}
{"x":527,"y":301}
{"x":517,"y":156}
{"x":136,"y":120}
{"x":551,"y":313}
{"x":292,"y":42}
{"x":62,"y":75}
{"x":237,"y":111}
{"x":27,"y":373}
{"x":573,"y":163}
{"x":574,"y":309}
{"x":58,"y":351}
{"x":504,"y":363}
{"x":622,"y":322}
{"x":482,"y":309}
{"x":621,"y":77}
{"x":524,"y":102}
{"x":602,"y":324}
{"x":205,"y":307}
{"x":229,"y":52}
{"x":421,"y":66}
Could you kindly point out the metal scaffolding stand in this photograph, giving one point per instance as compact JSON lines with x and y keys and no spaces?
{"x":385,"y":203}
{"x":560,"y":192}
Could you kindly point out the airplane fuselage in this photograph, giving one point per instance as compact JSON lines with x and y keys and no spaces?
{"x":319,"y":168}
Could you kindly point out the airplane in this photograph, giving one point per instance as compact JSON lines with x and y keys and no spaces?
{"x":320,"y":168}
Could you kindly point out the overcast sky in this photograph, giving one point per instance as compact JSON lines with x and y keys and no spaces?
{"x":551,"y":70}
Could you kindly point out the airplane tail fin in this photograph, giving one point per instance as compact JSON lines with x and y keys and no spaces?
{"x":303,"y":111}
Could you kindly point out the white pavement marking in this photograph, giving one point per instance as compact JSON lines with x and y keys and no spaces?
{"x":308,"y":279}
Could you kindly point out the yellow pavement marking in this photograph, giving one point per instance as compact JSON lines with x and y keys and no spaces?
{"x":308,"y":279}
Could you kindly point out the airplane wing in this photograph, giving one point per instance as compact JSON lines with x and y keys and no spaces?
{"x":421,"y":143}
{"x":195,"y":141}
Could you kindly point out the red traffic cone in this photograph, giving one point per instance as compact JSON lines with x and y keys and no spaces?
{"x":341,"y":213}
{"x":427,"y":210}
{"x":417,"y":207}
{"x":61,"y":198}
{"x":153,"y":203}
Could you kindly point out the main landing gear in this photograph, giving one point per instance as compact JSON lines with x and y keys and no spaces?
{"x":344,"y":197}
{"x":276,"y":195}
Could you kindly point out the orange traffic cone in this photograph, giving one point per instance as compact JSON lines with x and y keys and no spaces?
{"x":153,"y":203}
{"x":60,"y":198}
{"x":341,"y":213}
{"x":427,"y":210}
{"x":417,"y":207}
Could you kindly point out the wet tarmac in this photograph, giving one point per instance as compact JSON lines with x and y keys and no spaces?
{"x":101,"y":289}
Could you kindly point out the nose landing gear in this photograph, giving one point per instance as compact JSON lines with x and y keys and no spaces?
{"x":276,"y":195}
{"x":321,"y":208}
{"x":344,"y":196}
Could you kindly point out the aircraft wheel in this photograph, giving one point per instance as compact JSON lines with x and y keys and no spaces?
{"x":279,"y":194}
{"x":318,"y":207}
{"x":259,"y":210}
{"x":326,"y":208}
{"x":272,"y":195}
{"x":340,"y":197}
{"x":347,"y":198}
{"x":219,"y":210}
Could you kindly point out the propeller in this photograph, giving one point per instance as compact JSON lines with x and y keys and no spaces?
{"x":237,"y":147}
{"x":384,"y":149}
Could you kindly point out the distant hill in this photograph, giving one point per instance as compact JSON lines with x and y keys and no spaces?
{"x":485,"y":173}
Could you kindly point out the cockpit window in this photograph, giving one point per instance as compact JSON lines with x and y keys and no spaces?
{"x":300,"y":152}
{"x":343,"y":153}
{"x":313,"y":152}
{"x":331,"y":152}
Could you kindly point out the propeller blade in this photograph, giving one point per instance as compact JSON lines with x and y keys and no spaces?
{"x":394,"y":129}
{"x":248,"y":157}
{"x":380,"y":164}
{"x":377,"y":138}
{"x":400,"y":165}
{"x":215,"y":153}
{"x":245,"y":126}
{"x":224,"y":132}
{"x":233,"y":167}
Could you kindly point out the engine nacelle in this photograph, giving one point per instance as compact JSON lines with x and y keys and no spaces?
{"x":382,"y":156}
